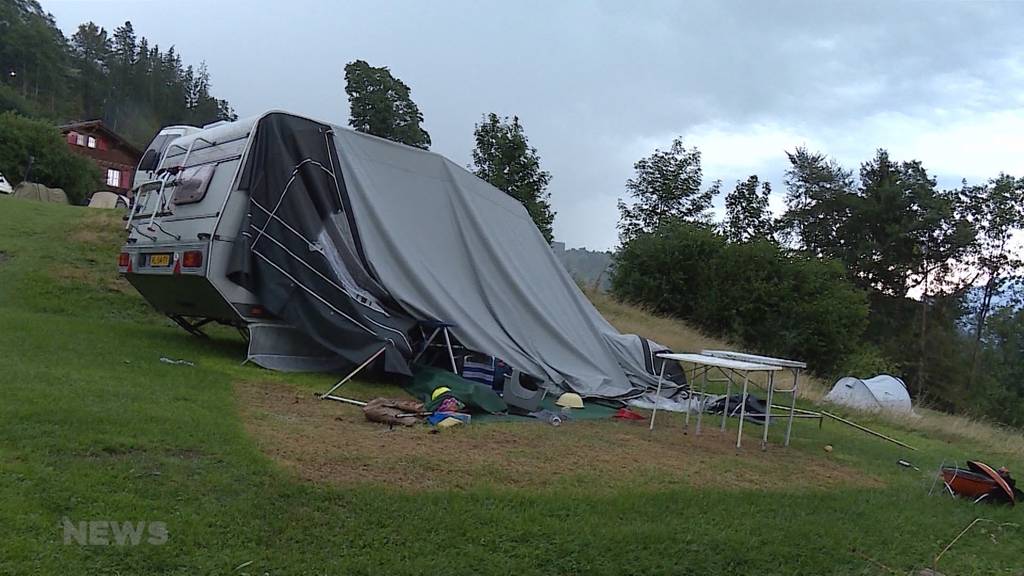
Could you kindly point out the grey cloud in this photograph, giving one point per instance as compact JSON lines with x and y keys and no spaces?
{"x":590,"y":79}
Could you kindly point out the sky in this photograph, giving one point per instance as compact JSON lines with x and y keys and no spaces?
{"x":599,"y":85}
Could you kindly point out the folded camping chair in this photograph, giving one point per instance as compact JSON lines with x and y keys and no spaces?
{"x":521,"y":393}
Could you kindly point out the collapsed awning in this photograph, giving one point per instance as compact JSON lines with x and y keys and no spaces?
{"x":354,"y":239}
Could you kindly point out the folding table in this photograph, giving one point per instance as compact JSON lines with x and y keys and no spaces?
{"x":738,"y":367}
{"x":793,"y":365}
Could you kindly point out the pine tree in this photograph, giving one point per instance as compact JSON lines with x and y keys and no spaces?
{"x":382,"y":105}
{"x":503,"y":156}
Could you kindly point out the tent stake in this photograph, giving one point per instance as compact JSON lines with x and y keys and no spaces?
{"x":869,"y":431}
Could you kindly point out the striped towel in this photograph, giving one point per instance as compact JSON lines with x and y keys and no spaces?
{"x":479,"y":369}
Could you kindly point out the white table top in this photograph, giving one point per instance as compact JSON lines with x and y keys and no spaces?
{"x":754,"y":358}
{"x":720,"y":362}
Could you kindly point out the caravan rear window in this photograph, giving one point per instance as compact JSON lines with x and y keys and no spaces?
{"x":158,"y":145}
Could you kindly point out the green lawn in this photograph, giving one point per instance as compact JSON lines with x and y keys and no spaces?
{"x":94,"y":427}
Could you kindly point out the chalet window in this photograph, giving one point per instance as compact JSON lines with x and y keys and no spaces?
{"x":80,"y":139}
{"x":91,"y":142}
{"x":72,"y":137}
{"x":113,"y":178}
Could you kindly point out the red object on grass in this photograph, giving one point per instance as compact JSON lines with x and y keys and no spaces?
{"x":627,"y":414}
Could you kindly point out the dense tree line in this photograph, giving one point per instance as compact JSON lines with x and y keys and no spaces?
{"x":118,"y":77}
{"x":882,"y":271}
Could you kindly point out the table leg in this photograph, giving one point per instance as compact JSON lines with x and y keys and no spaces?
{"x":700,"y":400}
{"x":768,"y":410}
{"x":743,"y":409}
{"x":728,"y":391}
{"x":657,"y":394}
{"x":689,"y":400}
{"x":792,"y":404}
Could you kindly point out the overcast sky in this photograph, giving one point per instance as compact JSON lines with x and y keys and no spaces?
{"x":598,"y":85}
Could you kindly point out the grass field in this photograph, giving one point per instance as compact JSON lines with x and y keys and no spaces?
{"x":251,"y":475}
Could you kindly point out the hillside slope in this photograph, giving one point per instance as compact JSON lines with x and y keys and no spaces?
{"x":250,"y":475}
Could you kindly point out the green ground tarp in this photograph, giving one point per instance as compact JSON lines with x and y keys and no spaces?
{"x":477,"y":398}
{"x":482,"y":399}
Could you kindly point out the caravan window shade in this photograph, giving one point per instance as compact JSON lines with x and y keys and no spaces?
{"x":192,"y":185}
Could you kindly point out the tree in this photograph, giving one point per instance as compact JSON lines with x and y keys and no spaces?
{"x":666,"y":188}
{"x":381,"y":105}
{"x":894,"y":231}
{"x":818,"y":197}
{"x":134,"y":88}
{"x":503,"y":156}
{"x":747,"y":216}
{"x":34,"y":60}
{"x":902,"y":231}
{"x":53,"y":165}
{"x":91,"y":48}
{"x":996,"y":210}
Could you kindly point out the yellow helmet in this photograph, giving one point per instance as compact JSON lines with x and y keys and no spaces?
{"x":439,"y":391}
{"x":570,"y":400}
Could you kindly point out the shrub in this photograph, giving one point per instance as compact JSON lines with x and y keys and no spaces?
{"x":667,"y":271}
{"x":53,"y":164}
{"x":752,"y":292}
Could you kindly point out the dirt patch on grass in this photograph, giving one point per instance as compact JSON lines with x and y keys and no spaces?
{"x":99,"y":228}
{"x":326,"y":441}
{"x":92,"y":276}
{"x":4,"y":257}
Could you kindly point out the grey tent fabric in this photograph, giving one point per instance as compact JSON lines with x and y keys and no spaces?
{"x":448,"y":246}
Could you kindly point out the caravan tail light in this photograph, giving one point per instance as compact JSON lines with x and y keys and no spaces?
{"x":192,"y":259}
{"x":123,"y":260}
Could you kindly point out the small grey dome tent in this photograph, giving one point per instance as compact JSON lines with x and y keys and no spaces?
{"x":883,"y":392}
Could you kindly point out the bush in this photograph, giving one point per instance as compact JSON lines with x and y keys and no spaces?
{"x":753,"y":292}
{"x":643,"y":273}
{"x":865,"y":362}
{"x":53,"y":164}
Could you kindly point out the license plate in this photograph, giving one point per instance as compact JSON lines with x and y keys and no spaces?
{"x":159,"y":260}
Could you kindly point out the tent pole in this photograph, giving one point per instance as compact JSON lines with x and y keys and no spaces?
{"x":353,"y":373}
{"x":426,"y":344}
{"x":451,"y":355}
{"x":869,"y":431}
{"x":343,"y":400}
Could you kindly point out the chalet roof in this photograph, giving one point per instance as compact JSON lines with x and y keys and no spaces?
{"x":99,"y":126}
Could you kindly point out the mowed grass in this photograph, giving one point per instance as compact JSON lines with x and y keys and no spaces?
{"x":94,"y":427}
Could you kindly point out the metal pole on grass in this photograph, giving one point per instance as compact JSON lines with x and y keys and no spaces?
{"x":700,"y":400}
{"x":768,"y":411}
{"x":657,"y":394}
{"x":354,"y":372}
{"x":792,"y":404}
{"x":743,"y":408}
